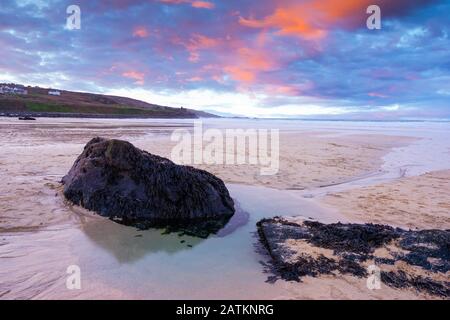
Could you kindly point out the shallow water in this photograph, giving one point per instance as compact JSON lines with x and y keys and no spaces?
{"x":120,"y":262}
{"x":429,"y":152}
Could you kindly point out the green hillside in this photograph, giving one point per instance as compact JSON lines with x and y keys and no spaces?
{"x":39,"y":102}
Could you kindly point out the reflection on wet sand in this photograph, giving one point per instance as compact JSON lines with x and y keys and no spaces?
{"x":128,"y":244}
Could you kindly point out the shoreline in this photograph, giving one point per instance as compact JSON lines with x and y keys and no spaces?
{"x":89,"y":116}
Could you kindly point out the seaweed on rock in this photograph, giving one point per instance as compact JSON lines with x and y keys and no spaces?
{"x":133,"y":187}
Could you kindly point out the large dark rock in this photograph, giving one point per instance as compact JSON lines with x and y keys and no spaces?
{"x":134,"y":187}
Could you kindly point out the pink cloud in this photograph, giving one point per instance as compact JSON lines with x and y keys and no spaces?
{"x":196,"y":43}
{"x":285,"y":90}
{"x":141,"y":32}
{"x":194,"y":79}
{"x":246,"y":61}
{"x":202,"y":4}
{"x":135,"y":75}
{"x":377,"y":95}
{"x":193,"y":3}
{"x":240,"y":74}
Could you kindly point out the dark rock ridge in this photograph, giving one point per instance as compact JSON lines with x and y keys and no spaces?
{"x":133,"y":187}
{"x":354,"y":247}
{"x":27,"y":118}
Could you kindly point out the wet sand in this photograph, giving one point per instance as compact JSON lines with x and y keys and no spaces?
{"x":41,"y":235}
{"x":420,"y":202}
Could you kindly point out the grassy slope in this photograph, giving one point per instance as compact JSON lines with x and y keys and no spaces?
{"x":86,"y":103}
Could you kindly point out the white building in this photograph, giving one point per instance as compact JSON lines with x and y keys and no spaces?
{"x":20,"y":91}
{"x":11,"y":89}
{"x":54,"y":93}
{"x":4,"y":89}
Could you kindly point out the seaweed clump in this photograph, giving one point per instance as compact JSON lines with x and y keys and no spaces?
{"x":311,"y":248}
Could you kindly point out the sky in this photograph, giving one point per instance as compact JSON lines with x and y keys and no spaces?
{"x":258,"y":58}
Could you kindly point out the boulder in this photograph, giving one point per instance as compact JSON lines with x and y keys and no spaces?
{"x":133,"y":187}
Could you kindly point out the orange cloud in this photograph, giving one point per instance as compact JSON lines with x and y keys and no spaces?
{"x":334,"y":10}
{"x":196,"y":43}
{"x":311,"y":19}
{"x":141,"y":32}
{"x":202,"y":4}
{"x":240,"y":74}
{"x":199,"y":41}
{"x":248,"y":62}
{"x":287,"y":21}
{"x":135,"y":75}
{"x":255,"y":59}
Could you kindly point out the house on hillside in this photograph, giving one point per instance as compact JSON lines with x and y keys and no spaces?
{"x":4,"y":89}
{"x":12,"y":89}
{"x":17,"y":90}
{"x":54,"y":93}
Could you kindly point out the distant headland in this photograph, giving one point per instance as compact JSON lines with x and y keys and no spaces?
{"x":18,"y":100}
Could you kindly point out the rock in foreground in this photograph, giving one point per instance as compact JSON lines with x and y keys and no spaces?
{"x":406,"y":259}
{"x":134,"y":187}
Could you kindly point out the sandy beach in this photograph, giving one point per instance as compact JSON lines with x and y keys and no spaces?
{"x":237,"y":151}
{"x":327,"y":172}
{"x":420,"y":202}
